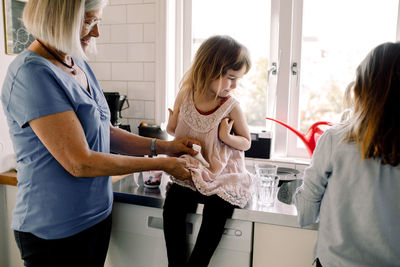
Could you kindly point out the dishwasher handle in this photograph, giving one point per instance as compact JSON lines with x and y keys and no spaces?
{"x":157,"y":223}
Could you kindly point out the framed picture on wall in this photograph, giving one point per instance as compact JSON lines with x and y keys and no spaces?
{"x":16,"y":36}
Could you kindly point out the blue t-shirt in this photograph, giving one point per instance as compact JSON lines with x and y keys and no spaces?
{"x":51,"y":203}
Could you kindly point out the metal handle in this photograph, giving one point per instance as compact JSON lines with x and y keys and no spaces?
{"x":157,"y":223}
{"x":273,"y":69}
{"x":294,"y":68}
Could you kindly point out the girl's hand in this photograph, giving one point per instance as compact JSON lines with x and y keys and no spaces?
{"x":181,"y":146}
{"x":177,"y":168}
{"x":225,"y":128}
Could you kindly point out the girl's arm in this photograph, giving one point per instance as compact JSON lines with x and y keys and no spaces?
{"x":173,"y":115}
{"x":241,"y":139}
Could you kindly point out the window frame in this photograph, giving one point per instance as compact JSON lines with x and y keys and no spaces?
{"x":283,"y":92}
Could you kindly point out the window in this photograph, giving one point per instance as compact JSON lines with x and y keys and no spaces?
{"x":315,"y":46}
{"x":336,"y":37}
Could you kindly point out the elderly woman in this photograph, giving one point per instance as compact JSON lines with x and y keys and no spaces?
{"x":60,"y":127}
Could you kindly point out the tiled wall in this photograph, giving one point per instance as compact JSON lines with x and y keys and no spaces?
{"x":126,"y":58}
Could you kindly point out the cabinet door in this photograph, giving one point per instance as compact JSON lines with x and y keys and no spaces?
{"x":9,"y":254}
{"x":281,"y":246}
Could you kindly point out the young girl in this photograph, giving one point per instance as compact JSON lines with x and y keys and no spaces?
{"x":205,"y":110}
{"x":353,"y":183}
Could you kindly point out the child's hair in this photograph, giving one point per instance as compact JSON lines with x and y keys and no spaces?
{"x":213,"y":59}
{"x":375,"y":95}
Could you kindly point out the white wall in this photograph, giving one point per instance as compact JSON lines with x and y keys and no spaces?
{"x":126,"y":60}
{"x":5,"y":142}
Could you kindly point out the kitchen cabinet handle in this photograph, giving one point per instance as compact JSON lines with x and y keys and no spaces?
{"x":157,"y":223}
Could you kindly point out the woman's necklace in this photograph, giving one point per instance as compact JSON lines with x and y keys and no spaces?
{"x":55,"y":56}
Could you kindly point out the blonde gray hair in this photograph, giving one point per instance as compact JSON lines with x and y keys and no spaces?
{"x":59,"y":22}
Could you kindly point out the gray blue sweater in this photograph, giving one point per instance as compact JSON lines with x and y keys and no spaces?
{"x":357,"y":205}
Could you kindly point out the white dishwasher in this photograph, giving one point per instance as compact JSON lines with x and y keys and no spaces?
{"x":137,"y":239}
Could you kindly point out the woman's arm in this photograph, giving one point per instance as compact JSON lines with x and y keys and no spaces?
{"x":241,"y":139}
{"x":64,"y":138}
{"x":126,"y":143}
{"x":308,"y":197}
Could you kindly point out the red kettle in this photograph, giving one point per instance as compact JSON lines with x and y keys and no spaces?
{"x":310,"y":138}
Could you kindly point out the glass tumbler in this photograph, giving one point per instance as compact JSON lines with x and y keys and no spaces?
{"x":267,"y":184}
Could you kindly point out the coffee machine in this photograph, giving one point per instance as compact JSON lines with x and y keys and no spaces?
{"x":116,"y":103}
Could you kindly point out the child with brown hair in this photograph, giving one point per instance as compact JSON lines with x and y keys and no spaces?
{"x":206,"y":111}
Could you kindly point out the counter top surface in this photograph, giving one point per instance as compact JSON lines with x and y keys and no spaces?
{"x":9,"y":178}
{"x":130,"y":190}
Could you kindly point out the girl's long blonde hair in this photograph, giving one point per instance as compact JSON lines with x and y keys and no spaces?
{"x":213,"y":59}
{"x":375,"y":95}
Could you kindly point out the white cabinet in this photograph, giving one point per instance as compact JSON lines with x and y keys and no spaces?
{"x":137,"y":239}
{"x":3,"y":227}
{"x":9,"y":254}
{"x":280,"y":246}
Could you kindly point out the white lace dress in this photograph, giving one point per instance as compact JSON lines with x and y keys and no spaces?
{"x":227,"y":176}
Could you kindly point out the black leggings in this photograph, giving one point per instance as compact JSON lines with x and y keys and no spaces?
{"x":178,"y":203}
{"x":85,"y":249}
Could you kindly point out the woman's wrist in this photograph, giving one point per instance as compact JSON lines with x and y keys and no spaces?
{"x":160,"y":146}
{"x":153,"y":151}
{"x":165,"y":163}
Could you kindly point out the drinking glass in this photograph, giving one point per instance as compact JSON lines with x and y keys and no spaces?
{"x":267,"y":184}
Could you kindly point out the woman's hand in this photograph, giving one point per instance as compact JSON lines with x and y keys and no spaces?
{"x":177,"y":167}
{"x":179,"y":147}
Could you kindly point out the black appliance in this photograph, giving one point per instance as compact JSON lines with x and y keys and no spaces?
{"x":116,"y":103}
{"x":260,"y":145}
{"x":152,"y":130}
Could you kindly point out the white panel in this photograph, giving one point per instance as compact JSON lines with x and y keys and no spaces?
{"x":137,"y":239}
{"x":112,"y":52}
{"x":136,"y":110}
{"x":114,"y":15}
{"x":280,"y":246}
{"x":126,"y":33}
{"x":141,"y":90}
{"x":149,"y":72}
{"x":114,"y":86}
{"x":101,"y":70}
{"x":119,"y":2}
{"x":3,"y":227}
{"x":13,"y":251}
{"x":141,"y":13}
{"x":104,"y":34}
{"x":149,"y":33}
{"x":127,"y":71}
{"x":141,"y":52}
{"x":149,"y":110}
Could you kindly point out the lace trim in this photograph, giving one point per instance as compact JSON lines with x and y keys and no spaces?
{"x":204,"y":123}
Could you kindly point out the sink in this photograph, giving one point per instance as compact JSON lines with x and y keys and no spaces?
{"x":287,"y":190}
